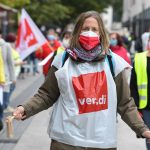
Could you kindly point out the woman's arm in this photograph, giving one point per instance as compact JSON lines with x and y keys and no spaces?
{"x":126,"y":106}
{"x":46,"y":96}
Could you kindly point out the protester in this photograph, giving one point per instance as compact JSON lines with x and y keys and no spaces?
{"x":66,"y":36}
{"x":141,"y":42}
{"x":33,"y":61}
{"x":116,"y":45}
{"x":9,"y":73}
{"x":145,"y":38}
{"x":11,"y":38}
{"x":84,"y":92}
{"x":140,"y":85}
{"x":42,"y":53}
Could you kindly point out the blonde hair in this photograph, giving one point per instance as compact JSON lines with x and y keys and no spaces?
{"x":78,"y":26}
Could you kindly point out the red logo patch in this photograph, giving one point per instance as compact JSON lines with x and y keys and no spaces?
{"x":29,"y":36}
{"x":91,"y":92}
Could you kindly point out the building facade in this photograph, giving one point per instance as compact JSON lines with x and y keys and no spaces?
{"x":6,"y":20}
{"x":136,"y":15}
{"x":107,"y":18}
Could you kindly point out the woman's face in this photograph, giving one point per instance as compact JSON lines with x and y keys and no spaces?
{"x":113,"y":40}
{"x":90,"y":24}
{"x":113,"y":36}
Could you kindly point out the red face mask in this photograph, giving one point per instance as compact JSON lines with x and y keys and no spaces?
{"x":89,"y":40}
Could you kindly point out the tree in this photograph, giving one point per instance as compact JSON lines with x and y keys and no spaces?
{"x":15,"y":3}
{"x":77,"y":6}
{"x":61,"y":12}
{"x":48,"y":11}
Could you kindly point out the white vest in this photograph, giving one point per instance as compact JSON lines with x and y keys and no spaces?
{"x":85,"y":112}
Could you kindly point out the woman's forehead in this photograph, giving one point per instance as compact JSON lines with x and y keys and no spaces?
{"x":90,"y":22}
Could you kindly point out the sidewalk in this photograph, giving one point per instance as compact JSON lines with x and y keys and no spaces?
{"x":25,"y":88}
{"x":36,"y":137}
{"x":23,"y":84}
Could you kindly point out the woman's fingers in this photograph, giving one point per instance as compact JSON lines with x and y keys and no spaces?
{"x":19,"y":113}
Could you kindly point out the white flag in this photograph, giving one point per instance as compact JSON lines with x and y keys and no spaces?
{"x":29,"y":36}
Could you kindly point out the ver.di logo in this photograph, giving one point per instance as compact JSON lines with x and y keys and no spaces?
{"x":91,"y":92}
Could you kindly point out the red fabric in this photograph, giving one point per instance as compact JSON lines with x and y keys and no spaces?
{"x":91,"y":92}
{"x":56,"y":45}
{"x":44,"y":51}
{"x":29,"y":32}
{"x":122,"y":52}
{"x":88,"y":43}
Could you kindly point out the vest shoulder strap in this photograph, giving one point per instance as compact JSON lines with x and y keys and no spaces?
{"x":64,"y":58}
{"x":109,"y":57}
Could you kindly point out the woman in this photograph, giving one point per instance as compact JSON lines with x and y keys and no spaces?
{"x":84,"y":93}
{"x":116,"y":45}
{"x":140,"y":85}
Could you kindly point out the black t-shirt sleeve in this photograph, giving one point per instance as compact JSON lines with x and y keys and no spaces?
{"x":134,"y":87}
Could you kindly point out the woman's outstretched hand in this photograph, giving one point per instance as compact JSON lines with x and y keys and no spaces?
{"x":19,"y":113}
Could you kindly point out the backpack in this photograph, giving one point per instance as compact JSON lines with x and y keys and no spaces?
{"x":109,"y":58}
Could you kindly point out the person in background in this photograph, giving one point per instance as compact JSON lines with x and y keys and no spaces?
{"x":53,"y":39}
{"x":42,"y":53}
{"x":85,"y":94}
{"x":141,"y":42}
{"x":11,"y":38}
{"x":140,"y":85}
{"x":65,"y":42}
{"x":116,"y":45}
{"x":66,"y":36}
{"x":2,"y":82}
{"x":145,"y":39}
{"x":33,"y":61}
{"x":9,"y":72}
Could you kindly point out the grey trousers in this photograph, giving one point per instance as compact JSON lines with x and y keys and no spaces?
{"x":61,"y":146}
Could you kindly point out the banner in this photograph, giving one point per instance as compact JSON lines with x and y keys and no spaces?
{"x":29,"y":37}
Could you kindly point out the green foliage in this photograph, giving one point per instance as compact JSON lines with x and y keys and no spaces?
{"x":15,"y":3}
{"x":47,"y":11}
{"x":61,"y":12}
{"x":78,"y":6}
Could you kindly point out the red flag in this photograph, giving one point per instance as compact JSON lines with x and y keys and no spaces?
{"x":29,"y":37}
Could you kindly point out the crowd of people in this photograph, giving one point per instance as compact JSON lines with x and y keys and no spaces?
{"x":96,"y":69}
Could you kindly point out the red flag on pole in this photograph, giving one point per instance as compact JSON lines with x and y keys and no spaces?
{"x":29,"y":37}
